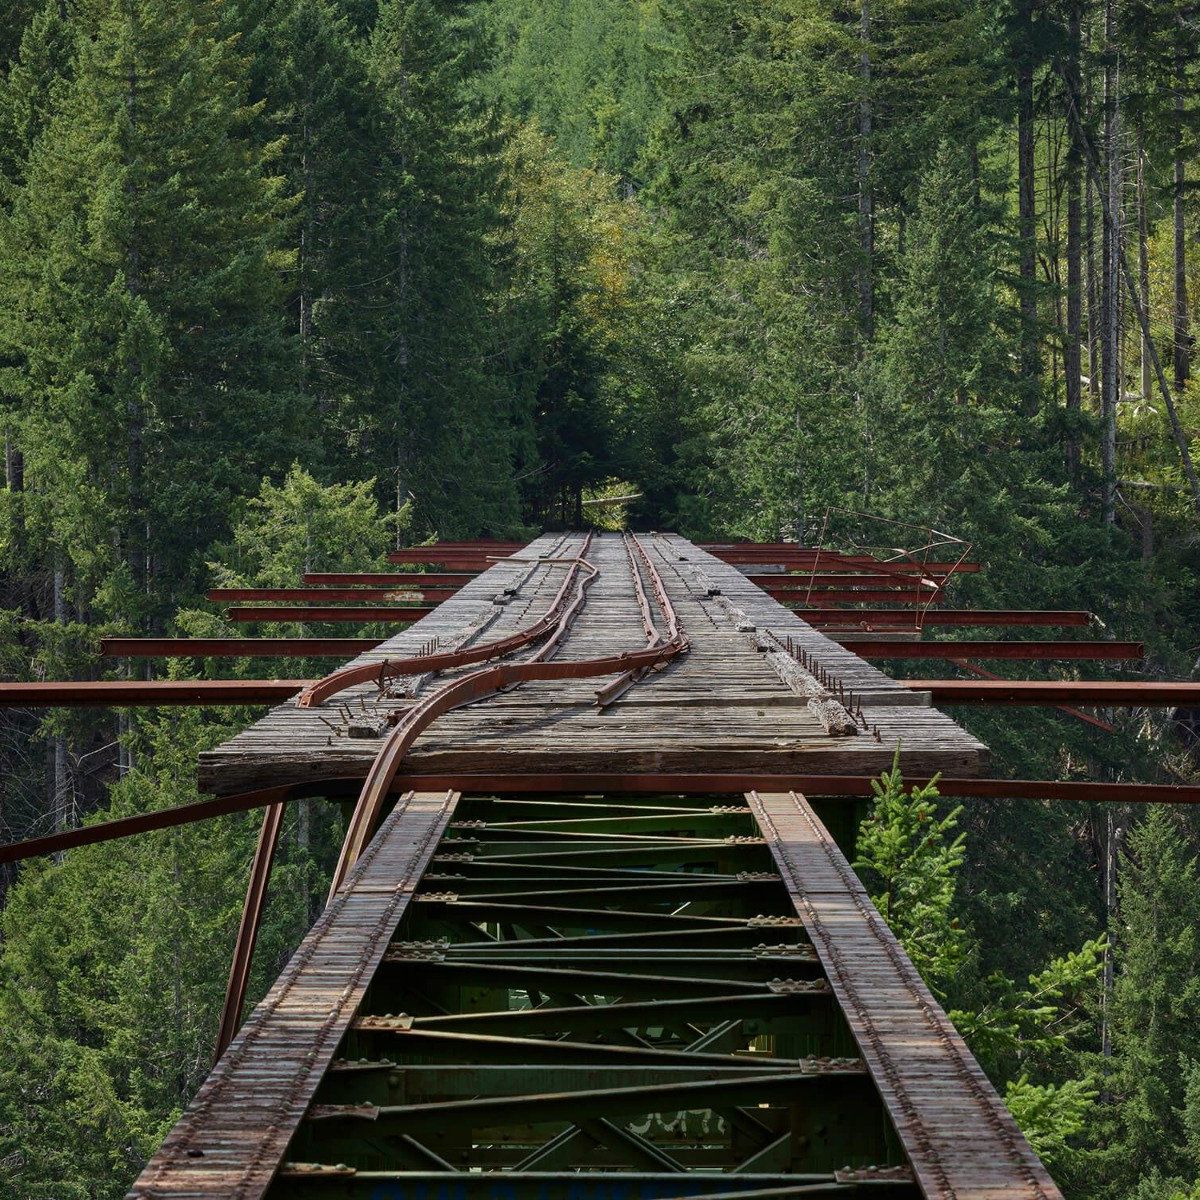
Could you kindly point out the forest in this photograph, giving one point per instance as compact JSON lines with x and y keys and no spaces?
{"x":287,"y":283}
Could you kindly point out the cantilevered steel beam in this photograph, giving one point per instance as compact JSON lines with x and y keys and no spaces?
{"x":720,"y":784}
{"x":146,"y":693}
{"x":319,"y":613}
{"x":826,"y":579}
{"x":861,"y":617}
{"x":406,"y":591}
{"x":991,"y":649}
{"x":401,"y":579}
{"x":1055,"y":691}
{"x":851,"y":596}
{"x":117,"y":647}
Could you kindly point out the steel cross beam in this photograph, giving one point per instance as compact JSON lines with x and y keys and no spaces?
{"x":410,"y":590}
{"x":862,"y":618}
{"x":392,"y":613}
{"x":1105,"y":693}
{"x":515,"y":1005}
{"x":1040,"y":651}
{"x":121,"y":647}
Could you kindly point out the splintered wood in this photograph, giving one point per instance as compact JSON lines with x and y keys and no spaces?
{"x":758,"y":691}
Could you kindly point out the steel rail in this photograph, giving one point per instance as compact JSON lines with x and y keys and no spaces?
{"x":710,"y":784}
{"x":489,"y":680}
{"x":394,"y":668}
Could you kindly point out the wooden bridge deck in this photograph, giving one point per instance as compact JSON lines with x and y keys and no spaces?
{"x":558,"y":995}
{"x":723,"y":707}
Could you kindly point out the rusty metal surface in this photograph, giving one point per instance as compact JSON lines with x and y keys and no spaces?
{"x":961,"y":1140}
{"x":1057,"y":691}
{"x":864,"y":618}
{"x":489,"y":680}
{"x":247,"y":935}
{"x":137,"y":647}
{"x":313,"y":612}
{"x":232,"y":1138}
{"x":86,"y":693}
{"x":1039,"y":651}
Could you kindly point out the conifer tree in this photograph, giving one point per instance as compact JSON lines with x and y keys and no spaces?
{"x":142,"y":258}
{"x":439,"y":420}
{"x":1156,"y":1040}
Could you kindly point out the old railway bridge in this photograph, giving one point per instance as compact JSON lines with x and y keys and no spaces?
{"x":593,"y":934}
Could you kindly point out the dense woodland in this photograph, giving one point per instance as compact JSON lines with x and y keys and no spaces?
{"x":286,"y":282}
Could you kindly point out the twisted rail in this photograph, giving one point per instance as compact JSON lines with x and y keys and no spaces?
{"x":490,"y":680}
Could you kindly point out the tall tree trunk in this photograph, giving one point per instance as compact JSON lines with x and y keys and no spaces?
{"x":1143,"y":222}
{"x":1182,"y":336}
{"x":866,"y":214}
{"x":1027,"y":218}
{"x":1110,"y":334}
{"x":1073,"y":337}
{"x":62,"y":782}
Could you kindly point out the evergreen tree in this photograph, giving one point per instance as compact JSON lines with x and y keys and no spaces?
{"x":440,"y":413}
{"x":141,"y":258}
{"x":1155,"y":1038}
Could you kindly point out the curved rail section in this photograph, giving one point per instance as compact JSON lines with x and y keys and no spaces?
{"x":493,"y":679}
{"x":394,"y":668}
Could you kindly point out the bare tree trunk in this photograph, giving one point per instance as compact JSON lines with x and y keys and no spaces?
{"x":1182,"y":336}
{"x":866,"y":213}
{"x":1027,"y":223}
{"x":1073,"y":338}
{"x":1144,"y":265}
{"x":1110,"y":334}
{"x":62,"y":781}
{"x":1110,"y":924}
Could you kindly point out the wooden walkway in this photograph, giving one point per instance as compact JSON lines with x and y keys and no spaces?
{"x":725,"y":706}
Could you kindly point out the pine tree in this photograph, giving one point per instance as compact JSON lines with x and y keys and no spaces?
{"x":439,"y":420}
{"x":1157,"y":989}
{"x":142,"y":261}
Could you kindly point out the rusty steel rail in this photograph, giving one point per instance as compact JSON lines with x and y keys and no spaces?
{"x":490,"y":680}
{"x":394,"y":668}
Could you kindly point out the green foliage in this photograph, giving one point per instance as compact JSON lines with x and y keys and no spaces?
{"x":912,"y":855}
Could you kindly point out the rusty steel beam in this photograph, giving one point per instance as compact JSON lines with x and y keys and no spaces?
{"x":268,"y":612}
{"x":864,"y":618}
{"x":975,"y":669}
{"x":408,"y":591}
{"x":247,"y":937}
{"x":119,"y":647}
{"x":87,"y":693}
{"x":867,"y":567}
{"x":822,"y":580}
{"x":851,"y":596}
{"x":401,"y":579}
{"x":991,"y":649}
{"x":1106,"y":693}
{"x":717,"y":784}
{"x":459,"y":559}
{"x":163,"y":818}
